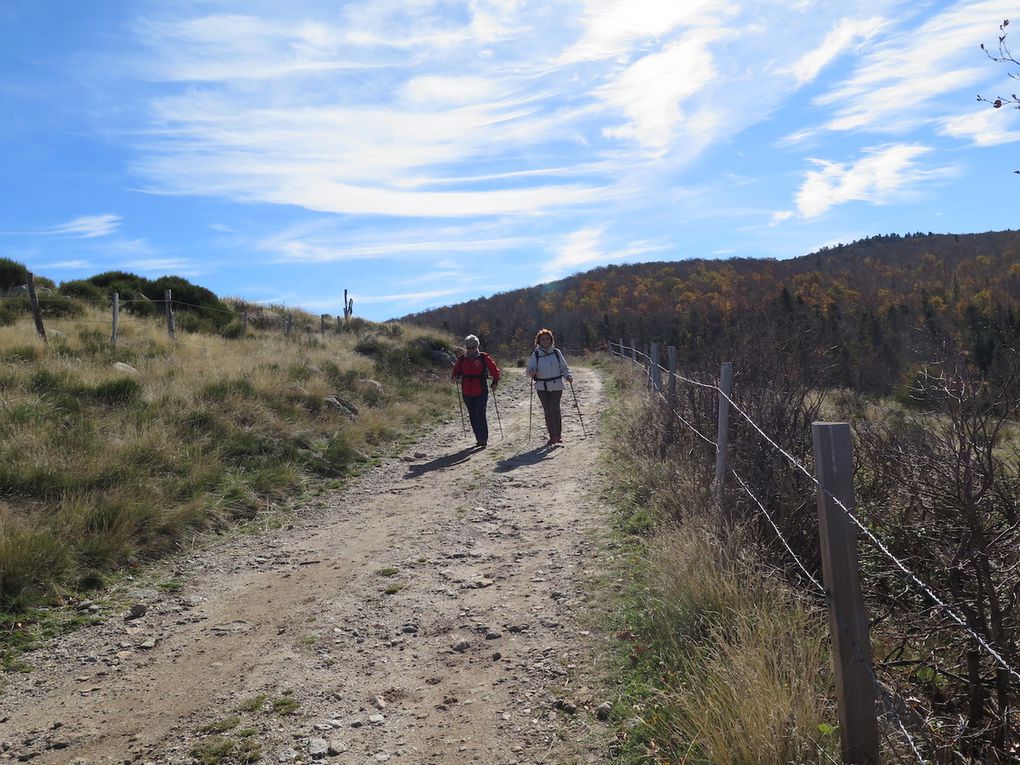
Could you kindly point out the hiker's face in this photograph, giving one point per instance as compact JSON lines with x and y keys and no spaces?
{"x":472,"y":350}
{"x":545,"y":341}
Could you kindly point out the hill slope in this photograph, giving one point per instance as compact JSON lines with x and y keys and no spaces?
{"x":879,"y":300}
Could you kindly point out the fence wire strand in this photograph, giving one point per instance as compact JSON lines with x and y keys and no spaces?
{"x":927,"y":589}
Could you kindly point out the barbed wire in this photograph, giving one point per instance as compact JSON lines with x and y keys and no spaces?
{"x":927,"y":589}
{"x":796,"y":559}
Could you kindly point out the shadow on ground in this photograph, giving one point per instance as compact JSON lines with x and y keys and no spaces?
{"x":521,"y":459}
{"x":447,"y":460}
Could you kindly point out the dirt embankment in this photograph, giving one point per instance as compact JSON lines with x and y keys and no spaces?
{"x":436,"y":611}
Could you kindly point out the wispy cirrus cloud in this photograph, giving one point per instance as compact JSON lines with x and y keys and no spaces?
{"x":615,"y":28}
{"x":877,"y":178}
{"x":324,"y":241}
{"x":84,"y":227}
{"x":846,"y":34}
{"x":651,"y":91}
{"x":988,"y":127}
{"x":897,"y":84}
{"x":410,"y":297}
{"x":585,"y":248}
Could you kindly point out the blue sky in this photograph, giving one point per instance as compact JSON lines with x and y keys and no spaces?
{"x":420,"y":153}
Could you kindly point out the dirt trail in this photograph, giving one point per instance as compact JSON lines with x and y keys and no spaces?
{"x":479,"y":653}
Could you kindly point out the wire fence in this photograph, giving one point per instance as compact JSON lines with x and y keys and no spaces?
{"x":229,"y":322}
{"x":655,"y":373}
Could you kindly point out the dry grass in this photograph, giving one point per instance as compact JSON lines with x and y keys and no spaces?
{"x":721,"y":661}
{"x":104,"y":467}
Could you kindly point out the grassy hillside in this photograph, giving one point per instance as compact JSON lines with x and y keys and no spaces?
{"x":113,"y":455}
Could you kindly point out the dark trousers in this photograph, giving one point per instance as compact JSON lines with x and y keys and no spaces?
{"x":476,"y":411}
{"x":551,"y":406}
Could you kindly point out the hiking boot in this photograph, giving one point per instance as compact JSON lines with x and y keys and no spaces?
{"x":550,"y":442}
{"x":482,"y":444}
{"x":557,"y":440}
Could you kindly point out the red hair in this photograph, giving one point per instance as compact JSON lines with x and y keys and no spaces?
{"x":538,"y":335}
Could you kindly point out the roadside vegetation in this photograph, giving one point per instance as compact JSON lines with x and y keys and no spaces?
{"x":114,"y":455}
{"x":724,"y":642}
{"x":718,"y":659}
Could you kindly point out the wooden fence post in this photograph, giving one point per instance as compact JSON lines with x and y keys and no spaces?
{"x":290,"y":323}
{"x":851,"y":647}
{"x":621,"y":347}
{"x":722,"y":430}
{"x":655,"y":368}
{"x":36,"y":310}
{"x":116,"y":318}
{"x":633,"y":349}
{"x":322,"y":323}
{"x":169,"y":310}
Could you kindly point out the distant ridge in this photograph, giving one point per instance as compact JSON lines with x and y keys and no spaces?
{"x":873,"y":294}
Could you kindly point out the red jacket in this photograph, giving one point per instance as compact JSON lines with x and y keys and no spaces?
{"x":470,"y":371}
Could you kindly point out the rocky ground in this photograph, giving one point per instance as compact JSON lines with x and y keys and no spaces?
{"x":435,"y":611}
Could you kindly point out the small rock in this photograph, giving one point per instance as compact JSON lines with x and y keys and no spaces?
{"x":604,"y":710}
{"x":336,"y":746}
{"x":318,"y":748}
{"x":137,"y":612}
{"x":461,"y":645}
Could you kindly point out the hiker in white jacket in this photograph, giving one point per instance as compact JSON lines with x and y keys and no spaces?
{"x":548,"y":369}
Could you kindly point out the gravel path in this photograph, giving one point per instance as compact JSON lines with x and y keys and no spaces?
{"x":435,"y":611}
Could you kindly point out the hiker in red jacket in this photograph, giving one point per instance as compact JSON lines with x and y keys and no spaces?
{"x":473,"y":368}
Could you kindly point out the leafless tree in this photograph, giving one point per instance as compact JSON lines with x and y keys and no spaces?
{"x":1003,"y":56}
{"x":941,"y":486}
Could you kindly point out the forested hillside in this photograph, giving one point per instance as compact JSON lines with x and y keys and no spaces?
{"x":865,"y":312}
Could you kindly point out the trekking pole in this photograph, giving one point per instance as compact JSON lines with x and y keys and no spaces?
{"x":530,"y":400}
{"x":460,"y":400}
{"x":578,"y":408}
{"x":498,"y":421}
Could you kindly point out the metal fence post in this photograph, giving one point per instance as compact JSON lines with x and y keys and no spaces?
{"x":851,"y":647}
{"x":169,"y":311}
{"x":36,"y":310}
{"x":116,"y":318}
{"x":656,"y":376}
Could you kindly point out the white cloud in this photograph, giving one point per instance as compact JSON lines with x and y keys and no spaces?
{"x":844,"y":35}
{"x":68,"y":265}
{"x":176,"y":266}
{"x":88,"y":226}
{"x":327,"y":240}
{"x":651,"y":91}
{"x":583,"y":249}
{"x":440,"y":89}
{"x":985,"y":127}
{"x":877,"y":178}
{"x":612,"y":28}
{"x":897,"y":84}
{"x":408,"y":297}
